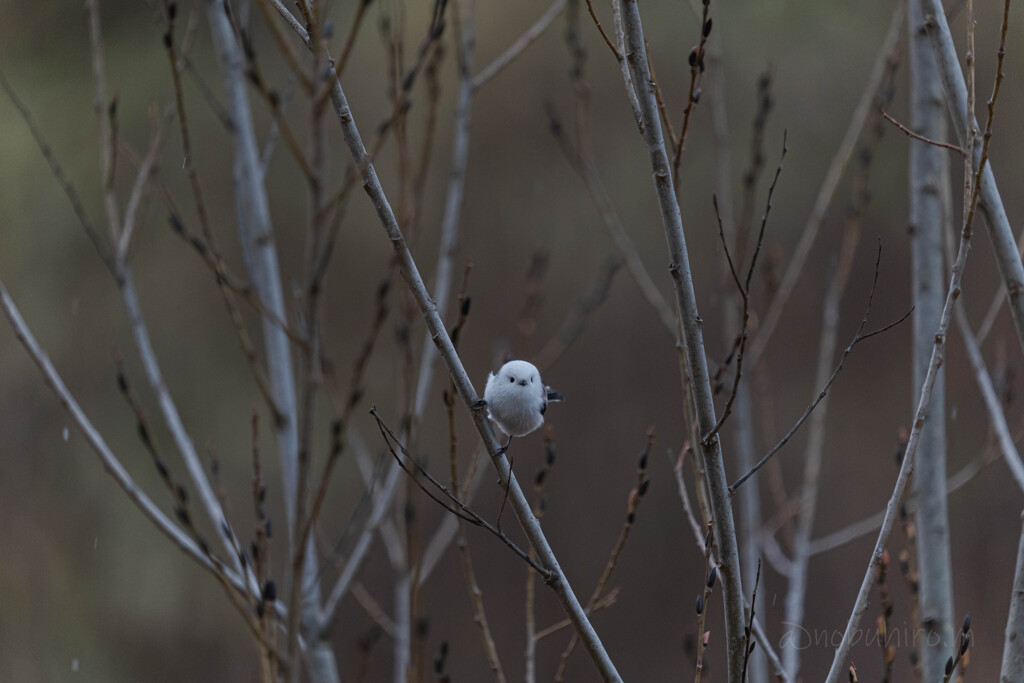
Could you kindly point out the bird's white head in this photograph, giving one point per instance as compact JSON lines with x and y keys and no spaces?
{"x":519,"y":372}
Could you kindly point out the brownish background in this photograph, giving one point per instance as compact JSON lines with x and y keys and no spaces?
{"x":84,"y":577}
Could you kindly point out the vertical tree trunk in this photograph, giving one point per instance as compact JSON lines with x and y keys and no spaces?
{"x":929,"y":169}
{"x":750,"y":516}
{"x":260,"y":251}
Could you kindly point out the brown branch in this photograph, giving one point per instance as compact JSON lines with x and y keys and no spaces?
{"x":744,"y":291}
{"x":749,"y":645}
{"x":703,"y":601}
{"x":454,"y":506}
{"x":696,"y":58}
{"x":945,"y":145}
{"x":600,"y":29}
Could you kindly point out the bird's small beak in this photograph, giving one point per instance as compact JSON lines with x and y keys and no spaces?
{"x":522,"y":382}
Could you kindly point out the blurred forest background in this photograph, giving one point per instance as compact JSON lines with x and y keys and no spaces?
{"x":89,"y":591}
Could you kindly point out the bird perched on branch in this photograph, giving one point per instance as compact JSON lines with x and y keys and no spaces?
{"x":517,"y":399}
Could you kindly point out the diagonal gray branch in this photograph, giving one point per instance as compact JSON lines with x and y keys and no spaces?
{"x":439,"y":334}
{"x":110,"y":462}
{"x":174,"y":424}
{"x":686,"y":300}
{"x":444,"y":273}
{"x":516,"y":48}
{"x":992,"y":402}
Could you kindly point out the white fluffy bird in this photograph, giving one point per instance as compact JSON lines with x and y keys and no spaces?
{"x":517,"y":398}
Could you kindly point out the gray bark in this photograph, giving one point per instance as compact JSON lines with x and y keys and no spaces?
{"x":991,"y":204}
{"x":686,"y":300}
{"x":929,"y":171}
{"x":260,"y":251}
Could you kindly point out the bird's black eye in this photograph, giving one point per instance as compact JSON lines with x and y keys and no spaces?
{"x":511,"y":379}
{"x":531,"y":379}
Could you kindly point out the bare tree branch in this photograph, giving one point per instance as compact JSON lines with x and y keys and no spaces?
{"x":1000,"y":232}
{"x":465,"y":388}
{"x":521,"y":43}
{"x":686,"y":301}
{"x":759,"y":633}
{"x":938,"y":352}
{"x":110,"y":461}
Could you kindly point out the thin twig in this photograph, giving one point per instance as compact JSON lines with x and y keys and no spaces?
{"x":102,"y":248}
{"x":590,"y":175}
{"x":600,"y":29}
{"x":857,"y":338}
{"x":703,"y":600}
{"x":744,"y":290}
{"x":699,"y":537}
{"x":745,"y":218}
{"x":350,"y":40}
{"x":912,"y":134}
{"x":749,"y":647}
{"x":636,"y":496}
{"x":356,"y":393}
{"x":454,"y":505}
{"x":610,"y":598}
{"x":697,"y":55}
{"x":519,"y":45}
{"x":770,"y":320}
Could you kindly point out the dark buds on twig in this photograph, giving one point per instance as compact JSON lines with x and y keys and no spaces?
{"x":440,"y":659}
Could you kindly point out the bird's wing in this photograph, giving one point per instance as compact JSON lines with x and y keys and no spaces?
{"x":553,"y":396}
